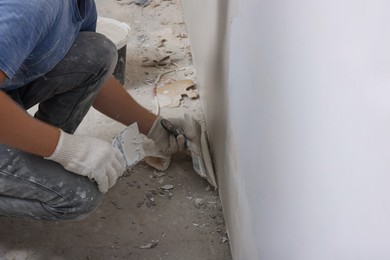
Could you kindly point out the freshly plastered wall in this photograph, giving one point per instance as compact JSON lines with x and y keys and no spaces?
{"x":296,"y":96}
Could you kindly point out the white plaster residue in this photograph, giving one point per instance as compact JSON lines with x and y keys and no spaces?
{"x":82,"y":194}
{"x":32,"y":179}
{"x":61,"y":184}
{"x":16,"y":255}
{"x":129,"y":142}
{"x":15,"y":159}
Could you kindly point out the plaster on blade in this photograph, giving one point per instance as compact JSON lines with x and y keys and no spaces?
{"x":129,"y":142}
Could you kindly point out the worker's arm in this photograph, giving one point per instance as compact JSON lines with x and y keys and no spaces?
{"x":84,"y":155}
{"x":114,"y":101}
{"x":22,"y":131}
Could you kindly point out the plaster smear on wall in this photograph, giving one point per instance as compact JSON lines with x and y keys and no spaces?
{"x":237,"y":208}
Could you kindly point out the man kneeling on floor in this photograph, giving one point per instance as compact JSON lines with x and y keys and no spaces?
{"x":51,"y":55}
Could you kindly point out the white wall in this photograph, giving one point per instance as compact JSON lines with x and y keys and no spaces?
{"x":297,"y":100}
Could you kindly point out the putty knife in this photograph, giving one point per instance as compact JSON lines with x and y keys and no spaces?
{"x":198,"y":146}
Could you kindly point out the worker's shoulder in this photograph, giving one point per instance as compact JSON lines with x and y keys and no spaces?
{"x":31,"y":10}
{"x":46,"y":3}
{"x":21,"y":6}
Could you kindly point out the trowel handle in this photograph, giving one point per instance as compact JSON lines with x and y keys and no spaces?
{"x":172,"y":129}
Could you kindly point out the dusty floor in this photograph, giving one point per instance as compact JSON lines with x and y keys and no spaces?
{"x":185,"y":223}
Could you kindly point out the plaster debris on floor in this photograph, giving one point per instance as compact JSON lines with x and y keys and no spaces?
{"x":149,"y":214}
{"x":171,"y":94}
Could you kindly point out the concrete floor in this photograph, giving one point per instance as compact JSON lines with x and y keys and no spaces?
{"x":186,"y":223}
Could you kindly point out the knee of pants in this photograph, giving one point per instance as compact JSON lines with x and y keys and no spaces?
{"x":35,"y":188}
{"x":97,"y":50}
{"x":72,"y":203}
{"x":78,"y":202}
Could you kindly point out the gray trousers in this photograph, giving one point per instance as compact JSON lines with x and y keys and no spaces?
{"x":35,"y":188}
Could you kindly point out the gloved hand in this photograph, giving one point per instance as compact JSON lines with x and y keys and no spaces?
{"x":91,"y":157}
{"x":168,"y":143}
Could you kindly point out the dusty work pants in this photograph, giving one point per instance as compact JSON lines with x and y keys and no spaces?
{"x":35,"y":188}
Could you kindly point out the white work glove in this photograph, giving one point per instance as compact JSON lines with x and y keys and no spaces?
{"x":91,"y":157}
{"x":167,"y":142}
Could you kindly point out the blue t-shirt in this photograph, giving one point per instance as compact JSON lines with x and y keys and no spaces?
{"x":35,"y":35}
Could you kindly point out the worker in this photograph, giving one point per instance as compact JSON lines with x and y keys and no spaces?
{"x":51,"y":55}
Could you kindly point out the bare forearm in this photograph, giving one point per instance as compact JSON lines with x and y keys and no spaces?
{"x":114,"y":101}
{"x":20,"y":130}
